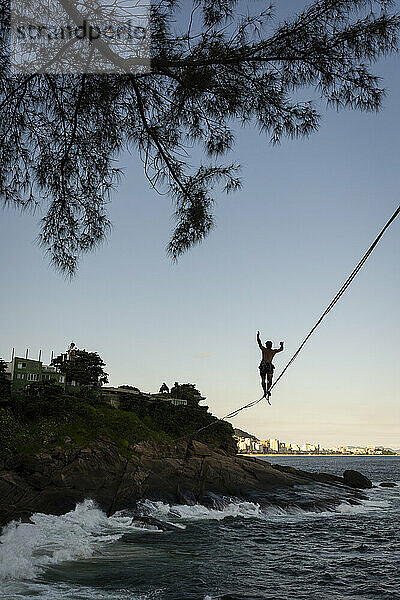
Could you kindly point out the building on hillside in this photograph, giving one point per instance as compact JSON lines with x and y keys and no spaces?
{"x":124,"y":390}
{"x":177,"y":401}
{"x":174,"y":401}
{"x":113,"y":395}
{"x":24,"y":371}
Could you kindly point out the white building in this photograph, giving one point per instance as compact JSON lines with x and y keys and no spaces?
{"x":274,"y":445}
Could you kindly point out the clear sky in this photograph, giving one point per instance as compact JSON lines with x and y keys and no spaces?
{"x":282,"y":247}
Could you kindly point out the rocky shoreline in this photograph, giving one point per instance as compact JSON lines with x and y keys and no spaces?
{"x":53,"y":482}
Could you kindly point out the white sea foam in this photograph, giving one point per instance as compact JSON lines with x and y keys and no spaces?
{"x":28,"y":547}
{"x":364,"y":507}
{"x":250,"y":510}
{"x":387,"y":490}
{"x":198,"y":512}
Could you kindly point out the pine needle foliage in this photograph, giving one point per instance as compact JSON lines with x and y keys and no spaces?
{"x":212,"y":67}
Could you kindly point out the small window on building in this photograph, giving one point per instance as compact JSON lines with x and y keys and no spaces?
{"x":62,"y":378}
{"x":20,"y":376}
{"x":22,"y":365}
{"x":32,"y":377}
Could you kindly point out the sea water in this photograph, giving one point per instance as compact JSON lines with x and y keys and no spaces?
{"x":238,"y":551}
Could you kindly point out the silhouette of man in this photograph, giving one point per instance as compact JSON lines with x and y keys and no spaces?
{"x":266,"y":367}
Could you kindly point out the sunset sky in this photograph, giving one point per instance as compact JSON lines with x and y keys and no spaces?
{"x":280,"y":250}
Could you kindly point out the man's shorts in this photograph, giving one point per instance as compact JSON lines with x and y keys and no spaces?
{"x":266,"y":368}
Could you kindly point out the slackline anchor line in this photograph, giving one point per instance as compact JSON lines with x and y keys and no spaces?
{"x":328,"y":309}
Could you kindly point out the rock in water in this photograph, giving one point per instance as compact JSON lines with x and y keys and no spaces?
{"x":388,"y":484}
{"x":161,"y":525}
{"x":356,"y":480}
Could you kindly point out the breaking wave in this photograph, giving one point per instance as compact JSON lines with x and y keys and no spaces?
{"x":249,"y":510}
{"x":48,"y":539}
{"x":26,"y":549}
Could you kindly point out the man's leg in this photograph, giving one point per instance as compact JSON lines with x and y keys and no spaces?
{"x":263,"y":383}
{"x":269,"y":383}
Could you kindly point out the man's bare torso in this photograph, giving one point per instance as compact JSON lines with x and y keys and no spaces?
{"x":268,"y":354}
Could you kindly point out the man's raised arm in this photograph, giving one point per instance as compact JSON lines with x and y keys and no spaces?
{"x":259,"y":340}
{"x":280,"y":348}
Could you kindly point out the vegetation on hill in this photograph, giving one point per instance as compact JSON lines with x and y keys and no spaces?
{"x":244,"y":434}
{"x":186,"y":391}
{"x":85,"y":368}
{"x":5,"y":386}
{"x":44,"y":416}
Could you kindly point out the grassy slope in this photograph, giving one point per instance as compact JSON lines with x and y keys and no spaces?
{"x":28,"y":426}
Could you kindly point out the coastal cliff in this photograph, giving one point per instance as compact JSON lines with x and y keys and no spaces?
{"x":183,"y":473}
{"x":57,"y":450}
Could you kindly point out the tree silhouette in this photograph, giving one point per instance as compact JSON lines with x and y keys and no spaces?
{"x":5,"y":383}
{"x":211,"y":67}
{"x":85,"y":368}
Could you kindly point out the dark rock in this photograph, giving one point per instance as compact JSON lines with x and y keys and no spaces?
{"x":389,"y":484}
{"x":201,"y":449}
{"x":362,"y":548}
{"x":184,"y":473}
{"x":160,"y":525}
{"x":185,"y":497}
{"x":356,"y":480}
{"x":320,"y":477}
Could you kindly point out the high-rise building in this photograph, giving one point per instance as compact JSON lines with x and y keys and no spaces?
{"x":274,"y":445}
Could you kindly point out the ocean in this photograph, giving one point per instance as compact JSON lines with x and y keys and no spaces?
{"x":235,"y":551}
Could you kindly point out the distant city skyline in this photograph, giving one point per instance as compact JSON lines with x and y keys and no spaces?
{"x":290,"y":446}
{"x":281,"y":248}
